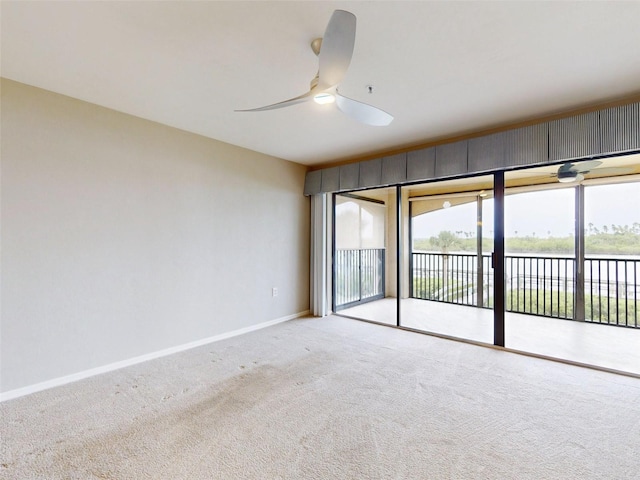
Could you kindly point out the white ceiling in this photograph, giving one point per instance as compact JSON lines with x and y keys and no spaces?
{"x":441,"y":68}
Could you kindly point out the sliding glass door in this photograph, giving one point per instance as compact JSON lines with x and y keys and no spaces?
{"x":540,"y":264}
{"x":449,"y":246}
{"x":612,"y":254}
{"x":516,"y":259}
{"x":572,"y":264}
{"x":364,"y":272}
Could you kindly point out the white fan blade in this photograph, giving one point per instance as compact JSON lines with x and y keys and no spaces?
{"x":362,"y":112}
{"x":610,"y":171}
{"x":586,"y":166}
{"x":286,"y":103}
{"x":337,"y":48}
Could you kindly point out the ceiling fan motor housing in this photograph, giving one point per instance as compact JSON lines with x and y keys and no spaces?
{"x":567,"y":175}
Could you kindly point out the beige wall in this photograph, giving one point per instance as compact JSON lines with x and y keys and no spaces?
{"x":122,"y":237}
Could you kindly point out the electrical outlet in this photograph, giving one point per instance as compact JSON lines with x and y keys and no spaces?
{"x":274,"y":292}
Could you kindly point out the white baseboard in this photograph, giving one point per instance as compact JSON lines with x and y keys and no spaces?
{"x":56,"y":382}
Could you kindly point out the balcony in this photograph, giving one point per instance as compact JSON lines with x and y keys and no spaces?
{"x":450,"y":296}
{"x":537,"y":285}
{"x":432,"y":242}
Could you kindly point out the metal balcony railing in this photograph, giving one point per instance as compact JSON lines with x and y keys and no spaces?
{"x":538,"y":285}
{"x":451,"y":278}
{"x":359,"y":276}
{"x":612,"y":290}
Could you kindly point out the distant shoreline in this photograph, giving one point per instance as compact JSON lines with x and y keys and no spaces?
{"x":588,"y":256}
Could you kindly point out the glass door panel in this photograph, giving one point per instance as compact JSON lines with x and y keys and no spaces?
{"x":539,"y":266}
{"x":364,"y":270}
{"x":572,"y":264}
{"x":612,"y":254}
{"x":539,"y":252}
{"x":449,"y":240}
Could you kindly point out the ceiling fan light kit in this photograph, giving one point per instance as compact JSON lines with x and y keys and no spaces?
{"x":570,"y":177}
{"x":334,"y":52}
{"x":324,"y":98}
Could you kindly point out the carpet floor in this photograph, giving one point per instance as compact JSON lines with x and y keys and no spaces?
{"x":330,"y":398}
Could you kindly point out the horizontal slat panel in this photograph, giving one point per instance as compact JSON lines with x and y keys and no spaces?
{"x":451,"y":159}
{"x":394,"y":169}
{"x":421,"y":164}
{"x":313,"y":182}
{"x":620,"y":128}
{"x":574,"y":137}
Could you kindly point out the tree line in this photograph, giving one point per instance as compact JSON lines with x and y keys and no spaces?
{"x":604,"y":240}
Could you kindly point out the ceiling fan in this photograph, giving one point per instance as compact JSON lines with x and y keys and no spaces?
{"x":575,"y":172}
{"x":334,"y":53}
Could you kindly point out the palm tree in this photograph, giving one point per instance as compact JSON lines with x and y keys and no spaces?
{"x":444,"y":241}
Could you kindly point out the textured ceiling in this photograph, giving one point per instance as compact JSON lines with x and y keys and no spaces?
{"x":441,"y":68}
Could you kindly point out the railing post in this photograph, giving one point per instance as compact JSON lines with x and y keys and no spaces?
{"x":479,"y":275}
{"x":410,"y":241}
{"x":578,"y":298}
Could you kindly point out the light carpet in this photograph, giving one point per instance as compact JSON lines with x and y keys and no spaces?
{"x":330,"y":398}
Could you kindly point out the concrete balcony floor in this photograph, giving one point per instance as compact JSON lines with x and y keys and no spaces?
{"x":606,"y":346}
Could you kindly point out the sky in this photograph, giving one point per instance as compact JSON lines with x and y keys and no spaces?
{"x":546,"y":213}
